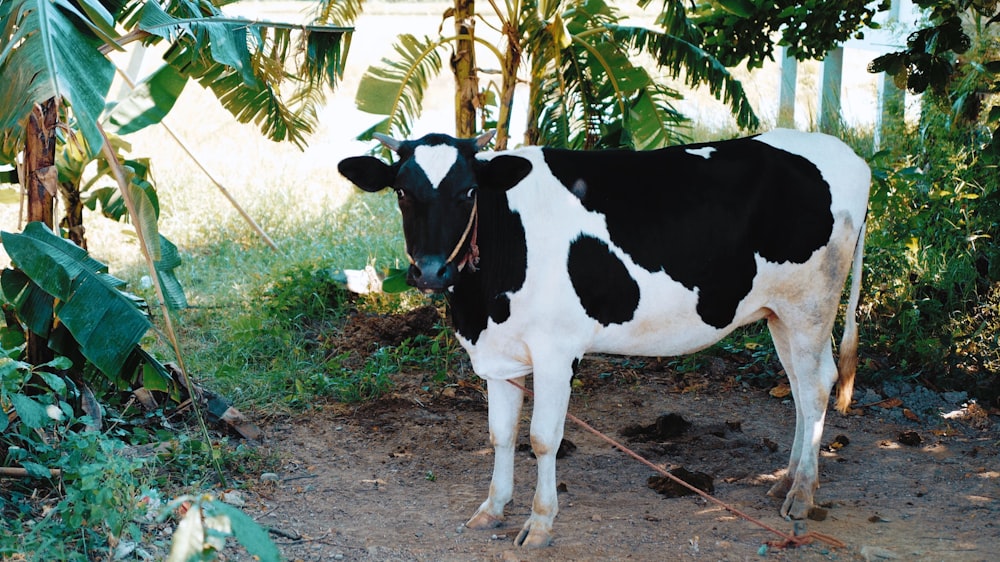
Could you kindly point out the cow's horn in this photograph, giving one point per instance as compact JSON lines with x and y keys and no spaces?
{"x":387,"y":141}
{"x":485,"y":138}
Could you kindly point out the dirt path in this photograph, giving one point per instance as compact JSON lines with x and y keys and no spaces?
{"x":395,"y":479}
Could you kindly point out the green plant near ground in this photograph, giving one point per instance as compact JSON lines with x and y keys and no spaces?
{"x":207,"y":524}
{"x":92,"y":504}
{"x":933,"y":267}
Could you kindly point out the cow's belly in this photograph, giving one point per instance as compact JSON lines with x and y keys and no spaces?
{"x":666,"y":322}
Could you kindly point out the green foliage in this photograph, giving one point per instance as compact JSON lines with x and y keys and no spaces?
{"x":932,"y":269}
{"x":49,"y":49}
{"x":96,"y":502}
{"x":396,"y":89}
{"x":585,"y":88}
{"x":738,"y":30}
{"x":587,"y":92}
{"x":245,"y":66}
{"x":57,"y":277}
{"x":931,"y":61}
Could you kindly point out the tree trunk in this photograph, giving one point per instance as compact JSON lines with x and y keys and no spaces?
{"x":463,"y":65}
{"x":40,"y":174}
{"x":72,"y":223}
{"x":41,"y":180}
{"x":511,"y":62}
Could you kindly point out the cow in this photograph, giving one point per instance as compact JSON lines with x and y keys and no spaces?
{"x":546,"y":254}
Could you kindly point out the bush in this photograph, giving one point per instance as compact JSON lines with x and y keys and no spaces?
{"x":932,"y":264}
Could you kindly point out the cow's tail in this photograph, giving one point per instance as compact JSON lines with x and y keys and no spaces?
{"x":847,"y":364}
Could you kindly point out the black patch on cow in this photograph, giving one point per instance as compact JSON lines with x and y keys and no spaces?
{"x":606,"y":290}
{"x":503,"y":263}
{"x":700,"y":219}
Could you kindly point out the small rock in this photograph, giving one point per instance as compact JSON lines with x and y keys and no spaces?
{"x":269,"y":477}
{"x":596,"y":518}
{"x":867,"y":396}
{"x":955,"y":397}
{"x":875,"y":553}
{"x":233,"y":498}
{"x":124,"y":548}
{"x":460,"y":529}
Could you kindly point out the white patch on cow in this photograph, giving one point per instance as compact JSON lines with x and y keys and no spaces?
{"x":435,"y":160}
{"x":838,"y":164}
{"x":705,"y":151}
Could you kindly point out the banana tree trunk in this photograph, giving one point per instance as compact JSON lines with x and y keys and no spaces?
{"x":463,"y":64}
{"x":511,"y":62}
{"x":72,"y":223}
{"x":41,"y":179}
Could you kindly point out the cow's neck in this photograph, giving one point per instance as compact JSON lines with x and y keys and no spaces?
{"x":470,"y":238}
{"x":481,"y":292}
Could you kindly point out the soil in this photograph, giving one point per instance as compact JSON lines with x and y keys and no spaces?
{"x":909,"y":474}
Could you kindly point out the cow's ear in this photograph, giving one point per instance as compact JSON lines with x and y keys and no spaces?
{"x":367,"y":172}
{"x":502,"y":172}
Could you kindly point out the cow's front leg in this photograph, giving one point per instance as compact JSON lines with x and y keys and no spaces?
{"x":505,"y":402}
{"x":548,"y":417}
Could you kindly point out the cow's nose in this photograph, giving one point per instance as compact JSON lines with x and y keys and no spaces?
{"x":432,"y":274}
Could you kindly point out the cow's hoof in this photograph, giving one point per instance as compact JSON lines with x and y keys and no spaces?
{"x":483,"y":520}
{"x":533,"y":537}
{"x":797,"y":506}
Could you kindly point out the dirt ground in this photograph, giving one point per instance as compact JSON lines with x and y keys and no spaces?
{"x":913,"y":475}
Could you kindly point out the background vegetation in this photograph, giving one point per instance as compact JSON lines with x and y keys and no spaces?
{"x":257,"y":318}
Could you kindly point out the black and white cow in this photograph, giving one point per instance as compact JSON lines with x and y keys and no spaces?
{"x":547,"y":254}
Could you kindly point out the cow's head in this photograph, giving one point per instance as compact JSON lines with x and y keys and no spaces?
{"x":437,"y":179}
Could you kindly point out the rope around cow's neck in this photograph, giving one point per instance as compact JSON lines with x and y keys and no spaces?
{"x":468,"y":229}
{"x":789,"y":540}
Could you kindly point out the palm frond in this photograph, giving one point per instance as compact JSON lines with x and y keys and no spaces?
{"x":245,"y":64}
{"x":395,"y":88}
{"x":681,"y":57}
{"x":339,"y":12}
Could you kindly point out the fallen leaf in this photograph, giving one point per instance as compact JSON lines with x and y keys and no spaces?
{"x":781,"y":391}
{"x":893,"y":402}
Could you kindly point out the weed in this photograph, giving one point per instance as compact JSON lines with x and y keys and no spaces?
{"x":94,"y":504}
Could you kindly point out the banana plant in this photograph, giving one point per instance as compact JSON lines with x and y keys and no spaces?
{"x":577,"y":56}
{"x":53,"y":59}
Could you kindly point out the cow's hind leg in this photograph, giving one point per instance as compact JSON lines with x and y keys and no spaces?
{"x":808,"y":360}
{"x":505,"y":402}
{"x":548,"y":417}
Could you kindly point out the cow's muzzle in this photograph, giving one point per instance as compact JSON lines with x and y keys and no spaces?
{"x":432,"y":274}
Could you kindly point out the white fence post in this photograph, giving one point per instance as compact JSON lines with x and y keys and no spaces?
{"x":829,"y":101}
{"x":891,"y":100}
{"x":786,"y":95}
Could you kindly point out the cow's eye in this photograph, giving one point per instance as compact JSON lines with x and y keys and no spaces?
{"x":400,"y":194}
{"x":471,"y":193}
